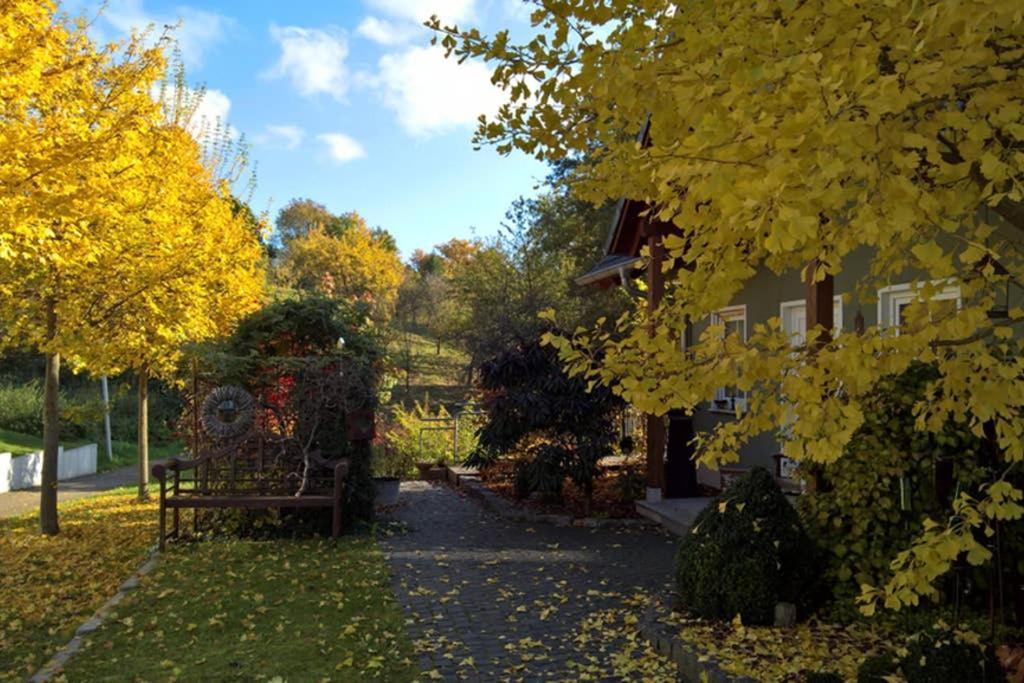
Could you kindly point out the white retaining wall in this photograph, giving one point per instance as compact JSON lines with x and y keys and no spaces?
{"x":26,"y":471}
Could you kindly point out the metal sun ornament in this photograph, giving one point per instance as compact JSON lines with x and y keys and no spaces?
{"x":227,"y":412}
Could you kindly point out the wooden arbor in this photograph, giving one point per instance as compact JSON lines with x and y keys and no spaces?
{"x":671,"y":471}
{"x":291,"y":443}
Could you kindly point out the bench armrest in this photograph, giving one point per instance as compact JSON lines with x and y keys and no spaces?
{"x":180,"y":465}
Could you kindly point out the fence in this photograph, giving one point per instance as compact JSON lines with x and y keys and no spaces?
{"x":26,"y":471}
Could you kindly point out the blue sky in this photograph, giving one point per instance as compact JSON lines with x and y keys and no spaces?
{"x":346,"y":103}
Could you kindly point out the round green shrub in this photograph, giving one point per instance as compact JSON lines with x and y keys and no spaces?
{"x":746,"y":552}
{"x":939,"y":656}
{"x":875,"y":668}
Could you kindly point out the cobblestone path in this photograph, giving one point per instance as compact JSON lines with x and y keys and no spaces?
{"x":488,"y":599}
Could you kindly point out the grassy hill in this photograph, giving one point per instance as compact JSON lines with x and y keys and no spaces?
{"x":426,"y":370}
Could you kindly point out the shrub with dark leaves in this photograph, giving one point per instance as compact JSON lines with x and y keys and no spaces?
{"x":529,"y":398}
{"x":746,"y":552}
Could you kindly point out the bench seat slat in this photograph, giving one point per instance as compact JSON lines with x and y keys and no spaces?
{"x":250,"y":502}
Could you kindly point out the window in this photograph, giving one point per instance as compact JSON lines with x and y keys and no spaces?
{"x":894,"y":300}
{"x":794,"y":319}
{"x":734,"y":318}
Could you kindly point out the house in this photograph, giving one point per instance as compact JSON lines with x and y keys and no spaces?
{"x":800,"y":306}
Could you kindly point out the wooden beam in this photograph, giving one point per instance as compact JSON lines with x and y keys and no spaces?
{"x":820,"y":295}
{"x":656,"y":432}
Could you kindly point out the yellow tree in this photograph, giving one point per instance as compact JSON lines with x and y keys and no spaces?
{"x":75,"y":129}
{"x":355,"y":266}
{"x":784,"y":137}
{"x":195,"y":270}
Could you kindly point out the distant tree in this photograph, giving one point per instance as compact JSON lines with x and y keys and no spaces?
{"x":385,"y":239}
{"x":353,"y":266}
{"x":428,"y":264}
{"x":302,"y":216}
{"x":458,"y":252}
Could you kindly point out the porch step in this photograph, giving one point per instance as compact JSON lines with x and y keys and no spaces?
{"x":675,"y":514}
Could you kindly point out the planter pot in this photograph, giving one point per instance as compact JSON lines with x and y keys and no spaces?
{"x":387,"y":491}
{"x":429,"y":471}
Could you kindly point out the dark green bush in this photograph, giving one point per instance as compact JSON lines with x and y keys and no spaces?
{"x":938,"y":656}
{"x":874,"y":669}
{"x":746,"y":552}
{"x":857,"y":520}
{"x":530,"y":399}
{"x":21,"y":408}
{"x":541,"y":473}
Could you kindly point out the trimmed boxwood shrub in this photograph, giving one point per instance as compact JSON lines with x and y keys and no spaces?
{"x":746,"y":552}
{"x":939,"y":656}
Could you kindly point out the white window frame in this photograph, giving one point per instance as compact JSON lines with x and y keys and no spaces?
{"x":721,"y":316}
{"x":837,"y":313}
{"x":891,"y":298}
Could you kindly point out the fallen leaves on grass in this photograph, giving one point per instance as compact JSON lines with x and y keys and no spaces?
{"x":256,"y":610}
{"x":49,"y":585}
{"x":777,"y":654}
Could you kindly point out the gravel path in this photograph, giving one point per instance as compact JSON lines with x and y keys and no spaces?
{"x":489,"y":599}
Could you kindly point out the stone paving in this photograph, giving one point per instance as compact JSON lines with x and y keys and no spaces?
{"x":488,"y":599}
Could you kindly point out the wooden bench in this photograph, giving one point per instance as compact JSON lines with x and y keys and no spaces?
{"x":239,"y":492}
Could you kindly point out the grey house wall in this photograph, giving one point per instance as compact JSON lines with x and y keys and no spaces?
{"x":762,"y":296}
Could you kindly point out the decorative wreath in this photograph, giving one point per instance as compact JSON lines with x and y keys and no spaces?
{"x":227,"y":412}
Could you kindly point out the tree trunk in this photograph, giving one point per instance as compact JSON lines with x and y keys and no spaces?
{"x":51,"y":446}
{"x":438,"y":346}
{"x":143,"y":434}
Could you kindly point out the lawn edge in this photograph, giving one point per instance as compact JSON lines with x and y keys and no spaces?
{"x":61,"y":657}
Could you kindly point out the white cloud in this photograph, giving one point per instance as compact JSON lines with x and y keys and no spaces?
{"x":208,"y":109}
{"x":197,"y":32}
{"x":431,"y":94}
{"x":420,"y":10}
{"x":283,"y":136}
{"x":341,"y":147}
{"x":312,"y":59}
{"x":519,"y":10}
{"x":385,"y":32}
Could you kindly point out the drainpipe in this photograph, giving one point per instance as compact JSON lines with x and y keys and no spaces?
{"x":627,"y":283}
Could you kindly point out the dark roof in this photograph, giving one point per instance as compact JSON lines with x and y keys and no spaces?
{"x":609,"y":267}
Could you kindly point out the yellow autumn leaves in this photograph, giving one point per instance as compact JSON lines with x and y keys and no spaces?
{"x":117,"y":242}
{"x":888,"y":134}
{"x":50,"y":585}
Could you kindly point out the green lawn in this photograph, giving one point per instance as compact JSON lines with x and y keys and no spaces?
{"x":284,"y":610}
{"x":16,"y":443}
{"x":125,"y":452}
{"x":433,"y":375}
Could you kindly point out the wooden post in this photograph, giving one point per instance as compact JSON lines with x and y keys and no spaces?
{"x":820,"y":294}
{"x":655,"y":424}
{"x":143,"y":434}
{"x":51,"y":447}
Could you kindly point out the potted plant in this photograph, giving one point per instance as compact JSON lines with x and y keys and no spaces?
{"x":388,"y":468}
{"x":432,"y":470}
